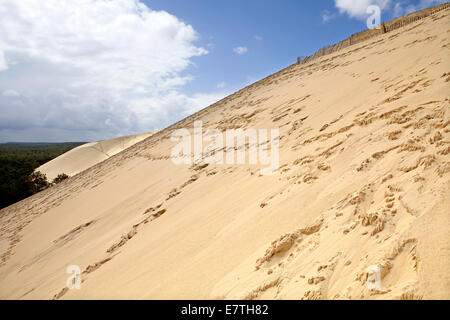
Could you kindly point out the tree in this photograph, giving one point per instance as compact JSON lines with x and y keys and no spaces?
{"x":61,"y":177}
{"x":37,"y":181}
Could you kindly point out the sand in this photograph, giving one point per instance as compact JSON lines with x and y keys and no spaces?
{"x":364,"y":181}
{"x":89,"y":154}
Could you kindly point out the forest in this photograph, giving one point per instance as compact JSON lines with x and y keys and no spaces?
{"x":17,"y":164}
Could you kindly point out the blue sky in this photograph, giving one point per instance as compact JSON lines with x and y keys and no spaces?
{"x":274,"y":32}
{"x":85,"y":70}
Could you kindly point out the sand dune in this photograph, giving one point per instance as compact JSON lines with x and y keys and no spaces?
{"x":363,"y":181}
{"x":89,"y":154}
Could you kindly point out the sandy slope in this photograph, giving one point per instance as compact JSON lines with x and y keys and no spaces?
{"x":364,"y":181}
{"x":87,"y":155}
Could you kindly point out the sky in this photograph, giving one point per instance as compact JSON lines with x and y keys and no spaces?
{"x":87,"y":70}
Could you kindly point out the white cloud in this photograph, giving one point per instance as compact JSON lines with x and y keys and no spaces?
{"x":3,"y":65}
{"x":201,"y":100}
{"x":98,"y":66}
{"x":258,"y":38}
{"x":405,"y":6}
{"x":240,"y":50}
{"x":398,"y":10}
{"x":357,"y":8}
{"x":10,"y":93}
{"x":327,"y":16}
{"x":221,"y":85}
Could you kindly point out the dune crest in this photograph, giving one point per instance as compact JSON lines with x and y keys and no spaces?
{"x":89,"y":154}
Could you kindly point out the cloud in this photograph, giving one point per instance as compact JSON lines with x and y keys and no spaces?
{"x":258,"y":38}
{"x":3,"y":65}
{"x":221,"y":85}
{"x":240,"y":50}
{"x":405,"y":6}
{"x":357,"y":8}
{"x":327,"y":15}
{"x":398,"y":9}
{"x":93,"y":68}
{"x":10,"y":93}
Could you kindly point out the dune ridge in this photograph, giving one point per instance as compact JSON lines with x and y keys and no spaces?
{"x":363,"y":181}
{"x":89,"y":154}
{"x":385,"y":27}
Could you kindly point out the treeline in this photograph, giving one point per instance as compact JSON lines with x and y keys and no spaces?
{"x":17,"y":164}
